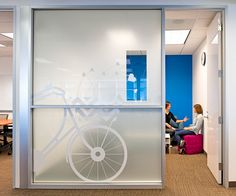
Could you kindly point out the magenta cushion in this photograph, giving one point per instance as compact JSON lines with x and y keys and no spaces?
{"x":193,"y":144}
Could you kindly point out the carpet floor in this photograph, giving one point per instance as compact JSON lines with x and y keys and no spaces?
{"x":186,"y":175}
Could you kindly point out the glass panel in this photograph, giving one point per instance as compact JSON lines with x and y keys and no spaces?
{"x":136,"y":75}
{"x":84,"y":145}
{"x":80,"y":56}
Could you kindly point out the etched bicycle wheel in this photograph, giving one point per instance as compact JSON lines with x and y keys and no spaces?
{"x":106,"y":158}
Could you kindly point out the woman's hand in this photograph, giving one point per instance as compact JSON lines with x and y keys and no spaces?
{"x":188,"y":128}
{"x":185,"y":119}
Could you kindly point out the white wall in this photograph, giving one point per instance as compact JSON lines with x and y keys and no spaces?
{"x":6,"y":84}
{"x":200,"y":83}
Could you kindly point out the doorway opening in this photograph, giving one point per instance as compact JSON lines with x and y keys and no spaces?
{"x":194,"y":76}
{"x":6,"y":98}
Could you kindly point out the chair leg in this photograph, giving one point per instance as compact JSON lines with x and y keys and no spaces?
{"x":1,"y":148}
{"x":10,"y":151}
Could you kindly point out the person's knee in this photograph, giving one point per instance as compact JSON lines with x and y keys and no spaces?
{"x":181,"y":125}
{"x":170,"y":131}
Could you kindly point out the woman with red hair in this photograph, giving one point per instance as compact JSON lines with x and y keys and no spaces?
{"x":193,"y":129}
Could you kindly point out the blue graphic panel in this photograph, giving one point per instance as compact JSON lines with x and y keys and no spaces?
{"x":136,"y":73}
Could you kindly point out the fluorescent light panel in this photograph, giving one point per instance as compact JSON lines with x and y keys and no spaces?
{"x":9,"y":35}
{"x":1,"y":45}
{"x":176,"y":36}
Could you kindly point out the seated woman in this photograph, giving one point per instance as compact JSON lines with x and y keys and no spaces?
{"x":171,"y":122}
{"x":193,"y":129}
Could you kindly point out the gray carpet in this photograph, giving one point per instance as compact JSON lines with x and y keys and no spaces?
{"x":185,"y":176}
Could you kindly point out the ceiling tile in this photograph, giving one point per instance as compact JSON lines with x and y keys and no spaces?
{"x":173,"y":49}
{"x":6,"y":16}
{"x":6,"y":27}
{"x":192,"y":44}
{"x":6,"y":51}
{"x":197,"y":34}
{"x":206,"y":14}
{"x":179,"y":24}
{"x":196,"y":20}
{"x":202,"y":23}
{"x":181,"y":14}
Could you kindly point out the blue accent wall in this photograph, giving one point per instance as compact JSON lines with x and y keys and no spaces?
{"x":136,"y":67}
{"x":179,"y":85}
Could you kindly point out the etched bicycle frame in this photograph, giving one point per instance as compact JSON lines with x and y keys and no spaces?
{"x":99,"y":160}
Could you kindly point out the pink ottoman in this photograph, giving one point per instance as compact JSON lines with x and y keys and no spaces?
{"x":193,"y":144}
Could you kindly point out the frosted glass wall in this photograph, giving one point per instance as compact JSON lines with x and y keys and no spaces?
{"x":131,"y":145}
{"x":80,"y":61}
{"x":84,"y":54}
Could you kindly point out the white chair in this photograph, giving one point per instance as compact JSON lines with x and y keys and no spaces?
{"x":167,"y":140}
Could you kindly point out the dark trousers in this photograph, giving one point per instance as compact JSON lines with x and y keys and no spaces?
{"x":180,"y":133}
{"x":175,"y":125}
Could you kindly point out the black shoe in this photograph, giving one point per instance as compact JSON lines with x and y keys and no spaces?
{"x":181,"y":151}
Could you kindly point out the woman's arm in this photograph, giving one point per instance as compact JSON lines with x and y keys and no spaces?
{"x":184,"y":120}
{"x":188,"y":128}
{"x":197,"y":126}
{"x":178,"y":121}
{"x":169,"y":126}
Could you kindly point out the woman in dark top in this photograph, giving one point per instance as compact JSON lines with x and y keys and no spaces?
{"x":171,"y":122}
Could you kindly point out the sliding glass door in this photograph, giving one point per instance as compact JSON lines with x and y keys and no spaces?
{"x":97,"y":97}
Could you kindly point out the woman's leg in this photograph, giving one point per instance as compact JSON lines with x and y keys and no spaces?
{"x":181,"y":125}
{"x":176,"y":125}
{"x":180,"y":133}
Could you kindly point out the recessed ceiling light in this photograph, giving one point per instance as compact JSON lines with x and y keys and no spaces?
{"x":1,"y":45}
{"x":176,"y":36}
{"x":9,"y":35}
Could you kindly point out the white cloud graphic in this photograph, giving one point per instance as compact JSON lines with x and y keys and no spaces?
{"x":131,"y":78}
